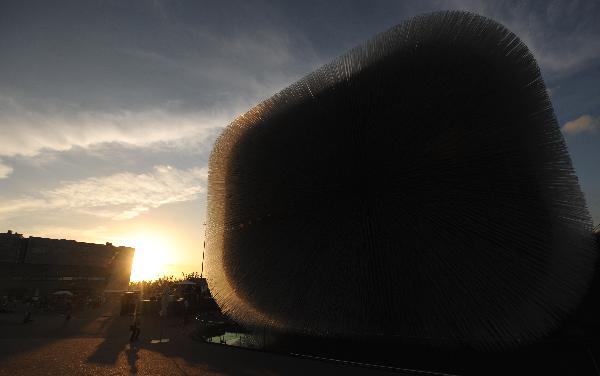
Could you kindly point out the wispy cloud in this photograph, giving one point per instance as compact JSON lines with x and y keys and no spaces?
{"x":119,"y":196}
{"x":562,"y":35}
{"x":28,"y":132}
{"x":5,"y":170}
{"x":583,"y":124}
{"x":165,"y":79}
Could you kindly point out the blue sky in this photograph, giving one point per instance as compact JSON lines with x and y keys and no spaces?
{"x":108,"y":109}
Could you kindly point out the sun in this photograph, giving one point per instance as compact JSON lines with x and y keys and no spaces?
{"x":151,"y":256}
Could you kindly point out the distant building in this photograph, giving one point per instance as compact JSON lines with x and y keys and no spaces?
{"x":46,"y":265}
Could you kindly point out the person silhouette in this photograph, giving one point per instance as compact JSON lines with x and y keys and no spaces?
{"x":68,"y":307}
{"x":135,"y":327}
{"x":28,"y":308}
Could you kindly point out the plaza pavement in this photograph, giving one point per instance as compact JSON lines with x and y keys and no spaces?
{"x":95,"y":342}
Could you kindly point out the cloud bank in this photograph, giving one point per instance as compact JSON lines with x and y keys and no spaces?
{"x":27,"y":132}
{"x":119,"y":196}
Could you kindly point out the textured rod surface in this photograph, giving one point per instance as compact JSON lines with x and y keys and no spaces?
{"x":417,"y":186}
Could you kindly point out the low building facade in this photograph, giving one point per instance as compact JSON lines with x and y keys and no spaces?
{"x":40,"y":266}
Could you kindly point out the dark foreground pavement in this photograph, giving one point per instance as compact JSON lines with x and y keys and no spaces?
{"x":98,"y":356}
{"x":96,"y":343}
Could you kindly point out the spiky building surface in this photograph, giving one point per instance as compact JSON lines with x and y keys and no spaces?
{"x":417,"y":186}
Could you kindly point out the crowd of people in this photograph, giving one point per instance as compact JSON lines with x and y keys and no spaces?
{"x":183,"y":298}
{"x":63,"y":303}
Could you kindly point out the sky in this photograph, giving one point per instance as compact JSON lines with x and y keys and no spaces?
{"x":109,"y":109}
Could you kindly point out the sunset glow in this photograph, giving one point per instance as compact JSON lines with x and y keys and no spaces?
{"x":151,"y":256}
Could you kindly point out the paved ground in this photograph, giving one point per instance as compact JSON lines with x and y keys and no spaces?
{"x":96,"y":343}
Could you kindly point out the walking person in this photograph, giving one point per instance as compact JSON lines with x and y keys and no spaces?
{"x":68,"y":307}
{"x":135,"y":328}
{"x":186,"y":308}
{"x":28,"y":308}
